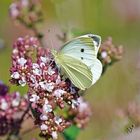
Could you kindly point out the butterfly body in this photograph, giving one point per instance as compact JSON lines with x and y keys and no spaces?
{"x":78,"y":60}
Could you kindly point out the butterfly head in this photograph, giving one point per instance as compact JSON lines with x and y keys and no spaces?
{"x":55,"y":55}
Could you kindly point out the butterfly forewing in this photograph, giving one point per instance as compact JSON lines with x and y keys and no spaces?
{"x":82,"y":48}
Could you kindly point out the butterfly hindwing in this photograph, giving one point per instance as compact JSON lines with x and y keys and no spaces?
{"x":96,"y":70}
{"x":77,"y":72}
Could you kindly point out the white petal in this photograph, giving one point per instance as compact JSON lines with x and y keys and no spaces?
{"x":33,"y":79}
{"x":15,"y":75}
{"x":46,"y":101}
{"x":22,"y":61}
{"x":104,"y":54}
{"x":37,"y":71}
{"x":43,"y":117}
{"x":54,"y":135}
{"x":50,"y":71}
{"x":47,"y":108}
{"x":15,"y":103}
{"x":58,"y":120}
{"x":44,"y":59}
{"x":49,"y":87}
{"x":13,"y":10}
{"x":74,"y":103}
{"x":34,"y":98}
{"x":4,"y":105}
{"x":35,"y":65}
{"x":22,"y":82}
{"x":59,"y":92}
{"x":43,"y":127}
{"x":46,"y":86}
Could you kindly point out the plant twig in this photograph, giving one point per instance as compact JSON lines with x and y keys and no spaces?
{"x":38,"y":34}
{"x":17,"y":125}
{"x":33,"y":28}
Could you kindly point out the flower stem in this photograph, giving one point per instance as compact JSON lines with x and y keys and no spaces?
{"x":33,"y":28}
{"x":17,"y":126}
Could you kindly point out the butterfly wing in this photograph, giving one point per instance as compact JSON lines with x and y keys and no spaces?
{"x":76,"y":71}
{"x":96,"y":70}
{"x":85,"y":49}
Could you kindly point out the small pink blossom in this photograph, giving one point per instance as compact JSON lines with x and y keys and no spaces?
{"x":43,"y":127}
{"x":15,"y":75}
{"x":54,"y":135}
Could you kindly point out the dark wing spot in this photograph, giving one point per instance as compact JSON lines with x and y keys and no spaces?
{"x":82,"y":58}
{"x":82,"y":50}
{"x":94,"y":38}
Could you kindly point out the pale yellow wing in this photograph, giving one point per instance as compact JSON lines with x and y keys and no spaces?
{"x":79,"y":74}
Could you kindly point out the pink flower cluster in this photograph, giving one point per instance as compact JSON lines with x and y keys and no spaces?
{"x":131,"y":112}
{"x":26,"y":11}
{"x":21,"y":60}
{"x":109,"y":53}
{"x":50,"y":94}
{"x":81,"y":114}
{"x":12,"y":106}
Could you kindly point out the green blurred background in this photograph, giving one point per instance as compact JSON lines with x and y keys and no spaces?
{"x":119,"y":19}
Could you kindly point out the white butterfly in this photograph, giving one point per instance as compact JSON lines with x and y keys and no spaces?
{"x":78,"y":60}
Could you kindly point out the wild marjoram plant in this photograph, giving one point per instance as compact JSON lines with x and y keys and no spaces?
{"x":54,"y":79}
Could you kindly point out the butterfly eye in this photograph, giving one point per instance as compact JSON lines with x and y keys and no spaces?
{"x":82,"y":50}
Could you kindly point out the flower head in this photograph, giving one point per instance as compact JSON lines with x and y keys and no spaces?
{"x":48,"y":90}
{"x":109,"y":53}
{"x":10,"y":106}
{"x":27,"y":12}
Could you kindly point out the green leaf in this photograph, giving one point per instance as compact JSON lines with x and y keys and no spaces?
{"x":71,"y":133}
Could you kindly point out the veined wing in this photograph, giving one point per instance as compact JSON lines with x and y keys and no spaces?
{"x":83,"y":47}
{"x":77,"y":72}
{"x":96,"y":69}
